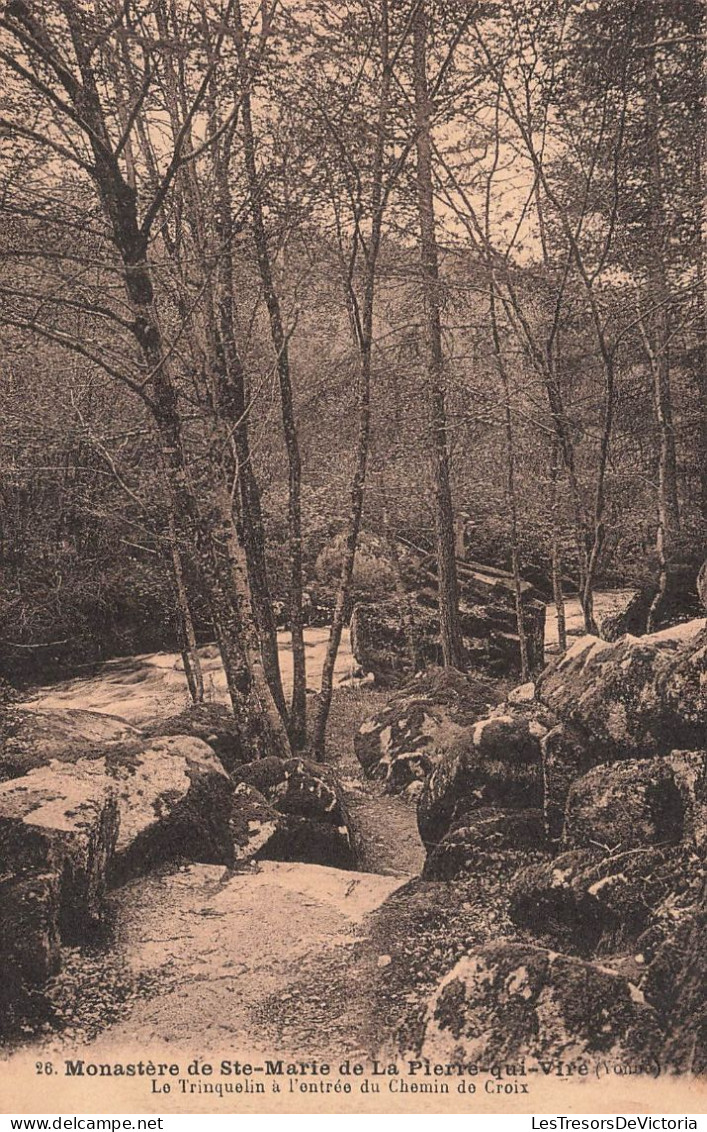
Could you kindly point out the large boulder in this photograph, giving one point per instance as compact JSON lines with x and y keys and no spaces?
{"x":59,"y":820}
{"x":175,"y":802}
{"x":314,"y":825}
{"x":636,"y":696}
{"x":32,"y":737}
{"x":509,"y":1000}
{"x":517,"y":835}
{"x":494,"y":763}
{"x":402,"y":742}
{"x":594,"y":903}
{"x":625,"y":805}
{"x":99,"y":820}
{"x":214,"y":724}
{"x":631,"y":699}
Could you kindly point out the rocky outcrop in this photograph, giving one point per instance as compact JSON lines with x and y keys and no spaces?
{"x":55,"y":820}
{"x":487,"y":618}
{"x":632,"y":699}
{"x":121,"y":812}
{"x":593,"y":903}
{"x":508,"y":1000}
{"x":32,"y":738}
{"x":314,"y":823}
{"x":610,"y":928}
{"x":625,"y":805}
{"x":495,"y":763}
{"x":629,"y":889}
{"x":214,"y":724}
{"x":402,"y":742}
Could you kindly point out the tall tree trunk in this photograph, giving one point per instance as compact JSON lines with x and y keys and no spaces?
{"x":213,"y":325}
{"x":362,"y":319}
{"x":227,"y":590}
{"x":659,"y":296}
{"x":564,"y":446}
{"x":556,"y":550}
{"x":212,"y":340}
{"x":298,"y":710}
{"x":185,"y":623}
{"x":510,"y":482}
{"x":447,"y":584}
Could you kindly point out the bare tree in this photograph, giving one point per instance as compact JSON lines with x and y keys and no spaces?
{"x":447,"y":585}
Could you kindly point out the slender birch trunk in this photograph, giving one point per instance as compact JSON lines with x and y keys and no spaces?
{"x":510,"y":482}
{"x":298,"y":708}
{"x":362,"y":321}
{"x":185,"y":623}
{"x":555,"y":549}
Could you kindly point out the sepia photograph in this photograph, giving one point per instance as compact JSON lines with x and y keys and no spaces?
{"x":353,"y":557}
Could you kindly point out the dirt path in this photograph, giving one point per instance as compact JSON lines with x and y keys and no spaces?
{"x":387,"y":823}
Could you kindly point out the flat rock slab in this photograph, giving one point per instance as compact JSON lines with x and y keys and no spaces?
{"x":229,"y":945}
{"x":211,"y":922}
{"x":37,"y":736}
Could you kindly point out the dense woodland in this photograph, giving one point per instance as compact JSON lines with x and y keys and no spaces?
{"x":284,"y":280}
